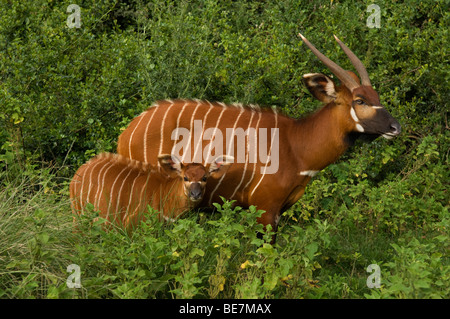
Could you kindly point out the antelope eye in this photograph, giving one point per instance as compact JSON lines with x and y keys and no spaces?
{"x":186,"y":179}
{"x":360,"y":102}
{"x":204,"y":179}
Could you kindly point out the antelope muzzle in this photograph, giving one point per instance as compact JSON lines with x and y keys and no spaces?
{"x":195,"y":192}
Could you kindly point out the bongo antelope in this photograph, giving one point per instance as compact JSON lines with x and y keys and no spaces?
{"x":302,"y":147}
{"x":121,"y":188}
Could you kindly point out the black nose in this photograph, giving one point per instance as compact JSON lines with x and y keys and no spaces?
{"x":195,"y":191}
{"x":395,"y":128}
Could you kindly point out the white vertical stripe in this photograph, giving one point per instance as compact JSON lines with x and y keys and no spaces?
{"x":146,"y":134}
{"x":191,"y":134}
{"x":234,"y":128}
{"x":90,"y":179}
{"x":141,"y":197}
{"x":268,"y":157}
{"x":132,"y":133}
{"x":130,"y":200}
{"x":214,"y":133}
{"x":162,"y":128}
{"x":139,"y":201}
{"x":182,"y":110}
{"x":186,"y":102}
{"x":200,"y":141}
{"x":82,"y":186}
{"x":119,"y":194}
{"x":100,"y":184}
{"x":255,"y":154}
{"x":112,"y":194}
{"x":227,"y":148}
{"x":104,"y":164}
{"x":247,"y":155}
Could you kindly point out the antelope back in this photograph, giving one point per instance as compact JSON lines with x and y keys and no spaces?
{"x":121,"y":188}
{"x":198,"y":131}
{"x":117,"y":187}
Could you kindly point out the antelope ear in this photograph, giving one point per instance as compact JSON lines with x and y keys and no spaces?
{"x":220,"y":165}
{"x":170,"y":164}
{"x":320,"y":86}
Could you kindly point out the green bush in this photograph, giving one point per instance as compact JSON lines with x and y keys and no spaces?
{"x":69,"y":92}
{"x":66,"y":94}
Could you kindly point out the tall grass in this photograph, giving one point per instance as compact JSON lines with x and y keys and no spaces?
{"x":36,"y":232}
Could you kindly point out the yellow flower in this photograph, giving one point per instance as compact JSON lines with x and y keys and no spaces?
{"x":288,"y":277}
{"x":245,"y":264}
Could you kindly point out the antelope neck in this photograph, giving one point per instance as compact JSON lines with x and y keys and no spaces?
{"x":320,"y":139}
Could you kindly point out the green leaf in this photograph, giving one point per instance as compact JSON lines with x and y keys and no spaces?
{"x":196,"y":252}
{"x":43,"y":238}
{"x":311,"y":249}
{"x":52,"y":292}
{"x":267,"y":250}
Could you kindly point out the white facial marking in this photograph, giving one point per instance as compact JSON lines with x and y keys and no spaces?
{"x":353,"y":114}
{"x":359,"y":128}
{"x":355,"y":118}
{"x":387,"y":136}
{"x":377,"y":106}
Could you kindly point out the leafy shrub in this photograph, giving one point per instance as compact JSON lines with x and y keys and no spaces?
{"x":417,"y":270}
{"x":66,"y":94}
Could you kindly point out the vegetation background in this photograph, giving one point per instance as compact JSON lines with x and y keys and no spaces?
{"x":67,"y":93}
